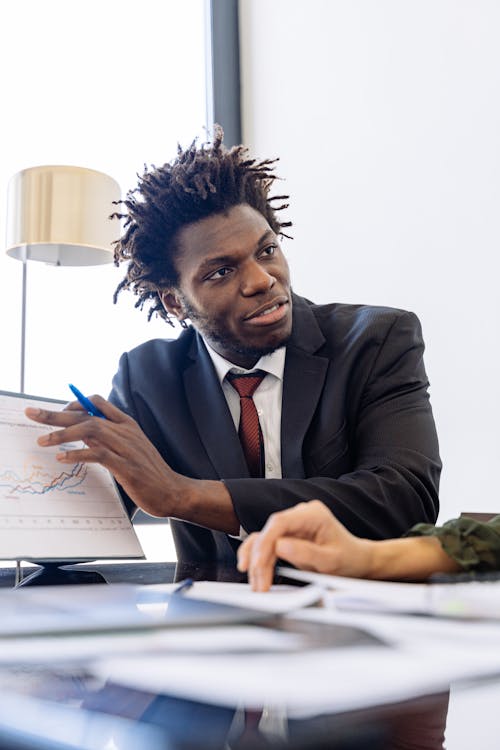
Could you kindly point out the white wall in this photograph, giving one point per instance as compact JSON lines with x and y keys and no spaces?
{"x":386,"y":118}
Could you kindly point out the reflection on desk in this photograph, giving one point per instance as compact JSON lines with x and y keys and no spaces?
{"x":79,"y":712}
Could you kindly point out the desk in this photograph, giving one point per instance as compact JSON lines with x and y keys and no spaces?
{"x":66,"y":707}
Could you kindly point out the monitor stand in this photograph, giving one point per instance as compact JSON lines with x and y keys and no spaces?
{"x":55,"y":573}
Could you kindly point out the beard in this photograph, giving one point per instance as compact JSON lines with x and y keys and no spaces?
{"x":216,"y":332}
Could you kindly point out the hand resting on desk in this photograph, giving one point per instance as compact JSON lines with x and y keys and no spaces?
{"x":310,"y":537}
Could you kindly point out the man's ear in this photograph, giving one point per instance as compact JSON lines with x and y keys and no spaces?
{"x":172,"y":304}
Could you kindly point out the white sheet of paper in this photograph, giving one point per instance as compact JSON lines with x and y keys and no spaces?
{"x":419,"y":634}
{"x":426,"y":656}
{"x":53,"y":511}
{"x":278,"y":600}
{"x":461,"y":600}
{"x":305,"y":683}
{"x":46,"y":610}
{"x":68,"y":610}
{"x":74,"y":649}
{"x":357,"y":593}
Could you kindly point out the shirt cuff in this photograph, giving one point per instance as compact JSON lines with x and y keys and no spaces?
{"x":242,"y":535}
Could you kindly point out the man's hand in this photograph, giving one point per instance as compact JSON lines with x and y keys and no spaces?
{"x":307,"y":536}
{"x":119,"y":444}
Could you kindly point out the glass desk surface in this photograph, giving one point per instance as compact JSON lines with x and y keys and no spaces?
{"x":64,"y":706}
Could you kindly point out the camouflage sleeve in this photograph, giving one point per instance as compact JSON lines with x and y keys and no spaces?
{"x":472,"y":544}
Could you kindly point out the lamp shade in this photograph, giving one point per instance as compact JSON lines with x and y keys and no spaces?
{"x":60,"y":215}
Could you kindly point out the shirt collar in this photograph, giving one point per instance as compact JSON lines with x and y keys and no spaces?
{"x":273,"y":364}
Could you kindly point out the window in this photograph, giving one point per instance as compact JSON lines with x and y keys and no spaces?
{"x":110,"y":86}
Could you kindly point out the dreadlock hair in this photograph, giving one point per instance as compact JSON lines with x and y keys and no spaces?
{"x":201,"y":181}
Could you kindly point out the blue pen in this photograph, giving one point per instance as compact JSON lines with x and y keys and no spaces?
{"x":183,"y":586}
{"x":87,"y":403}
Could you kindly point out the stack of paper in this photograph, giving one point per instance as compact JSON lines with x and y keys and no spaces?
{"x":464,"y":600}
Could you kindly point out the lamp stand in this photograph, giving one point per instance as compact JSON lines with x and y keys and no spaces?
{"x":19,"y":572}
{"x":23,"y":326}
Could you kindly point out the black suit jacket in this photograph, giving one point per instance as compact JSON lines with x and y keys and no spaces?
{"x":356,"y":432}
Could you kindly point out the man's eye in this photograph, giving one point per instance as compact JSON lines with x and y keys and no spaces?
{"x":269,"y":250}
{"x":219,"y":274}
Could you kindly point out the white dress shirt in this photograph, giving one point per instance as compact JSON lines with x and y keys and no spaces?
{"x":267,"y":399}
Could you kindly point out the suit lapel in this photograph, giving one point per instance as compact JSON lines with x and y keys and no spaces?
{"x":212,"y":416}
{"x":303,"y":382}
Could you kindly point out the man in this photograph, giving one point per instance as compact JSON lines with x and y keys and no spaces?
{"x":310,"y":537}
{"x":344,"y":410}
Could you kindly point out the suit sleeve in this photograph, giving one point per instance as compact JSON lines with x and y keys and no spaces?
{"x":392,"y":478}
{"x":121,"y":397}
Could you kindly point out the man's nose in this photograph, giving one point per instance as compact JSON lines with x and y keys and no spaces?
{"x":256,"y":279}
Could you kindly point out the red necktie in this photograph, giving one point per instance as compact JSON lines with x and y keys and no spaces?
{"x":252,"y":444}
{"x":249,"y":430}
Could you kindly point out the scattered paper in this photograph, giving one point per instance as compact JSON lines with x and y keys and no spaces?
{"x":278,"y":600}
{"x":426,"y":655}
{"x":476,"y":599}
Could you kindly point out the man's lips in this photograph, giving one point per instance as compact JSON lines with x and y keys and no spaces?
{"x":270,"y":312}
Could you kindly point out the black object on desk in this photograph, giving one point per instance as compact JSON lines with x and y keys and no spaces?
{"x":55,"y":573}
{"x":112,"y":572}
{"x":470,"y":576}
